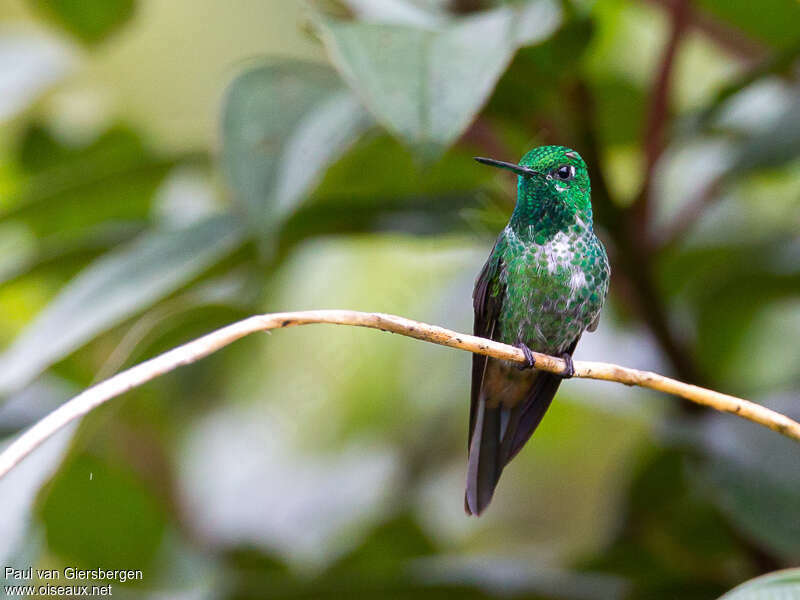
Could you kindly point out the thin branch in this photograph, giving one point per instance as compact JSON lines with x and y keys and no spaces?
{"x":658,"y":111}
{"x":731,"y":39}
{"x":689,"y":214}
{"x":195,"y":350}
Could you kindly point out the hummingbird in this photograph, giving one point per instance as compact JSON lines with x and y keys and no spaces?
{"x":543,"y":285}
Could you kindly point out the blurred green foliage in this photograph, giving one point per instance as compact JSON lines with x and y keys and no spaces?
{"x":114,"y":522}
{"x":330,"y":461}
{"x":88,"y":20}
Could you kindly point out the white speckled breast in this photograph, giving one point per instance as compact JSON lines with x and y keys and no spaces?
{"x":553,"y":291}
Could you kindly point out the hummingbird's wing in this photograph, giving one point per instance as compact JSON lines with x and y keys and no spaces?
{"x":487,"y":299}
{"x":485,"y":461}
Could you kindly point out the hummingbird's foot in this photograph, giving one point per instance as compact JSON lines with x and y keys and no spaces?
{"x":569,"y":370}
{"x":530,"y":361}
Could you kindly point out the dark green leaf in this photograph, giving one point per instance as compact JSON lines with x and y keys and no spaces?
{"x":620,"y":111}
{"x":64,"y":259}
{"x":99,"y":514}
{"x":521,"y":95}
{"x":386,"y":549}
{"x":39,"y":152}
{"x":728,"y":286}
{"x":754,"y":476}
{"x":283,"y":124}
{"x":72,"y":193}
{"x":378,"y":168}
{"x":112,"y":289}
{"x":773,"y":22}
{"x":377,"y":187}
{"x":88,"y":20}
{"x":426,"y":85}
{"x":674,"y":542}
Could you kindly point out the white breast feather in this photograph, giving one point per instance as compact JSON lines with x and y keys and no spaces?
{"x":557,"y":251}
{"x":577,"y":280}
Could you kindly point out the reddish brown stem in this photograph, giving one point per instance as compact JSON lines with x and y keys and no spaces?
{"x":482,"y":134}
{"x":734,"y":41}
{"x":658,"y":112}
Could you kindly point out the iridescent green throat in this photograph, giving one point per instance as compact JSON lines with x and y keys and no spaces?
{"x":541,"y":212}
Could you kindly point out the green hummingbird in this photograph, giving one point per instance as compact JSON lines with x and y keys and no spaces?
{"x":543,"y":285}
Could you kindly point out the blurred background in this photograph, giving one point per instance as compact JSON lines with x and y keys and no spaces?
{"x":170,"y":166}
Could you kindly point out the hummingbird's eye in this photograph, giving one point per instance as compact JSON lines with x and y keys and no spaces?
{"x":565,"y":172}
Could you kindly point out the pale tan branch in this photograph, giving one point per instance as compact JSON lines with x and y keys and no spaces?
{"x":201,"y":347}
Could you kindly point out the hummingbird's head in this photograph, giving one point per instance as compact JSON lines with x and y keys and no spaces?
{"x":553,"y":187}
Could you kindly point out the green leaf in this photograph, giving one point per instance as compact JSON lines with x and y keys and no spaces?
{"x":387,"y":549}
{"x":59,"y":260}
{"x":74,"y":203}
{"x":773,"y":22}
{"x":100,"y":514}
{"x":283,"y":124}
{"x":41,"y":153}
{"x":379,"y":168}
{"x":69,"y":194}
{"x":759,"y":489}
{"x":773,"y":147}
{"x":378,"y":187}
{"x":113,"y":288}
{"x":620,"y":111}
{"x":672,"y":542}
{"x":780,"y":585}
{"x":555,"y":61}
{"x":425,"y":84}
{"x":88,"y":20}
{"x":729,"y":287}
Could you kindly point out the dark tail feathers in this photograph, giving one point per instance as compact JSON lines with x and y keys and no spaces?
{"x":485,"y":459}
{"x":499,"y":435}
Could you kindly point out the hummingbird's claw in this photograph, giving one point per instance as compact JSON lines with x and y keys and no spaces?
{"x":569,"y":370}
{"x":530,"y":361}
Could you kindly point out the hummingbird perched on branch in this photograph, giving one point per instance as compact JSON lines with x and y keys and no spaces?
{"x":543,"y":285}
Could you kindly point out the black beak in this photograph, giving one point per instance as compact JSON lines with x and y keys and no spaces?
{"x":518,"y":169}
